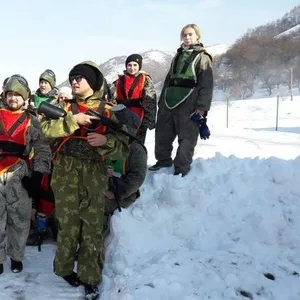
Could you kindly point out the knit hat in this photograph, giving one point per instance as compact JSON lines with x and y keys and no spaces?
{"x":18,"y":84}
{"x":89,"y":73}
{"x":49,"y":76}
{"x":136,"y":58}
{"x":66,"y":91}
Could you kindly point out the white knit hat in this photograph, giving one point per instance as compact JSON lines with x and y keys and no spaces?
{"x":66,"y":91}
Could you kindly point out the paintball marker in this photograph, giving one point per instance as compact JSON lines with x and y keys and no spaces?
{"x":113,"y":187}
{"x":40,"y":231}
{"x":51,"y":111}
{"x":124,"y":115}
{"x":41,"y":228}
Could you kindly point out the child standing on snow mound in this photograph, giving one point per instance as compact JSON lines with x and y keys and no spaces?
{"x":184,"y":102}
{"x":135,"y":90}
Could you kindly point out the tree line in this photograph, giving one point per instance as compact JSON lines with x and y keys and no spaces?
{"x":262,"y":59}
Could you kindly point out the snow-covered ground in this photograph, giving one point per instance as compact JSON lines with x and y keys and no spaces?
{"x":221,"y":232}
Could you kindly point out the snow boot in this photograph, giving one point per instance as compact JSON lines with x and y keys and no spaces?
{"x":159,"y":165}
{"x":16,"y":266}
{"x":72,"y":279}
{"x":1,"y":268}
{"x":91,"y":292}
{"x":183,"y":174}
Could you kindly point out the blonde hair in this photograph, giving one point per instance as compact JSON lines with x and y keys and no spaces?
{"x":194,"y":26}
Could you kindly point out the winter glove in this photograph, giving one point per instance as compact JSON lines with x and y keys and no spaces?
{"x":33,"y":184}
{"x":203,"y":128}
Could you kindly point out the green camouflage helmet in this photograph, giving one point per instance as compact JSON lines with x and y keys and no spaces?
{"x":18,"y":84}
{"x":49,"y":76}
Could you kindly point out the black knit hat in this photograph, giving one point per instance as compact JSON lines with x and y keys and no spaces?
{"x":89,"y":73}
{"x":136,"y":58}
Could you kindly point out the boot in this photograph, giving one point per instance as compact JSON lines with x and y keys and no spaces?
{"x":72,"y":279}
{"x":91,"y":292}
{"x":16,"y":266}
{"x":183,"y":174}
{"x":1,"y":268}
{"x":159,"y":165}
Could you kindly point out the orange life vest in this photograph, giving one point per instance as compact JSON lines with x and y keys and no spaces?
{"x":82,"y":132}
{"x":129,"y":91}
{"x":13,"y":128}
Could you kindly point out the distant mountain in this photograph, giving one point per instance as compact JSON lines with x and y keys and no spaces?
{"x":155,"y":62}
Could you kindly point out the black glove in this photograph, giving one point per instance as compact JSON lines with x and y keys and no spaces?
{"x":33,"y":184}
{"x":203,"y":128}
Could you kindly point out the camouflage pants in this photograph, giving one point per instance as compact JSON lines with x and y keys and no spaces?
{"x":15,"y":214}
{"x":79,"y":186}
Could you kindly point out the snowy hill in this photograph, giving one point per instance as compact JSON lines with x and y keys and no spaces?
{"x":223,"y":232}
{"x":155,"y":62}
{"x":291,"y":31}
{"x":218,"y":49}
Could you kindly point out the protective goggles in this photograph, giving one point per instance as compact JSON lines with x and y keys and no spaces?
{"x":20,"y":79}
{"x":50,"y":73}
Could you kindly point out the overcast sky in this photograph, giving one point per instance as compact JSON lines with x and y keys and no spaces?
{"x":58,"y":34}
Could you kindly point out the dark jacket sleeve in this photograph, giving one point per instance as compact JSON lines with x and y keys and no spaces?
{"x":136,"y":170}
{"x":149,"y":104}
{"x":204,"y":88}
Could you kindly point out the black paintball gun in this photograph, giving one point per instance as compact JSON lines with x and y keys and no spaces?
{"x":123,"y":114}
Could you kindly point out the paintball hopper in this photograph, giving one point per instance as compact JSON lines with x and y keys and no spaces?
{"x":51,"y":111}
{"x":125,"y":116}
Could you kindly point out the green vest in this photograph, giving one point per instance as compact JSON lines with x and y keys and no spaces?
{"x":117,"y":165}
{"x":37,"y":100}
{"x":183,"y":78}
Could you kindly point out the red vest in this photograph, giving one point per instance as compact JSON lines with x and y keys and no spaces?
{"x":129,"y":91}
{"x":13,"y":128}
{"x":81,"y":133}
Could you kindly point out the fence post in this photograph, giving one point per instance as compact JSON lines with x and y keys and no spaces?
{"x":292,"y":83}
{"x":227,"y":111}
{"x":277,"y":108}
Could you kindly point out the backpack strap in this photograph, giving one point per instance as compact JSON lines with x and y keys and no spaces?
{"x":74,"y":107}
{"x":2,"y":131}
{"x":189,"y":60}
{"x":20,"y":120}
{"x":14,"y":126}
{"x":101,"y":107}
{"x":122,"y":87}
{"x":175,"y":63}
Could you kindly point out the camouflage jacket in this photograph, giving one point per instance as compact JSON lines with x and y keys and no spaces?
{"x":203,"y":91}
{"x":117,"y":143}
{"x":148,"y":103}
